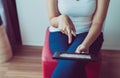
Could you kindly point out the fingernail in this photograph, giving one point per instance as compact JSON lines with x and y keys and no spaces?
{"x":82,"y":52}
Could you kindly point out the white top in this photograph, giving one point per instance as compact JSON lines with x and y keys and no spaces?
{"x":80,"y":12}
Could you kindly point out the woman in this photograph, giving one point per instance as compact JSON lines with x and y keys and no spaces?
{"x":76,"y":26}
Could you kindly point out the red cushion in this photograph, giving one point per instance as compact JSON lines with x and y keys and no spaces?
{"x":48,"y":64}
{"x":93,"y":69}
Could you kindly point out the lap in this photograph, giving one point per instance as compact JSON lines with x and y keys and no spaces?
{"x":59,"y":42}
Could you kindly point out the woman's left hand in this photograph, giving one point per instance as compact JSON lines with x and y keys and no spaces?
{"x":82,"y":49}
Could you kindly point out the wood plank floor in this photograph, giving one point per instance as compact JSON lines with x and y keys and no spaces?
{"x":110,"y":64}
{"x":26,"y":63}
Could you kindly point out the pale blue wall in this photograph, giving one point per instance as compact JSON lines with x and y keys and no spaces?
{"x":33,"y":21}
{"x":2,"y":14}
{"x":112,"y":26}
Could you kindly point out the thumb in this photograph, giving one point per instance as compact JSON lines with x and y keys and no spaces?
{"x":78,"y":50}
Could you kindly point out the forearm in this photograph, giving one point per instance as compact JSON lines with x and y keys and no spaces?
{"x":93,"y":33}
{"x":97,"y":23}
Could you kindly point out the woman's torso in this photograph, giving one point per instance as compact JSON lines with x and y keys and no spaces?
{"x":80,"y":12}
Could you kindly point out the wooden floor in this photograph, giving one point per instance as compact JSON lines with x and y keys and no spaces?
{"x":26,"y":63}
{"x":111,"y":64}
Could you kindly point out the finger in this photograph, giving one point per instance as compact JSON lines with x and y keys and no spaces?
{"x":65,"y":32}
{"x":77,"y":50}
{"x":61,"y":28}
{"x":82,"y":52}
{"x":69,"y":35}
{"x":73,"y":31}
{"x":73,"y":28}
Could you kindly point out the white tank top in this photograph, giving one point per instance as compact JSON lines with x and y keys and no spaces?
{"x":80,"y":12}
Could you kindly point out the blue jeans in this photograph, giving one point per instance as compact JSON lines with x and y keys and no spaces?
{"x":70,"y":68}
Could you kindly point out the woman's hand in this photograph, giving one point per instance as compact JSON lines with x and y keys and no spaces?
{"x":82,"y":49}
{"x":66,"y":27}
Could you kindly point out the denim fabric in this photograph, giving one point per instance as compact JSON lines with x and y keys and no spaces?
{"x":70,"y":68}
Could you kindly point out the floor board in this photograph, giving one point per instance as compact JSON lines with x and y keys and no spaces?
{"x":26,"y":63}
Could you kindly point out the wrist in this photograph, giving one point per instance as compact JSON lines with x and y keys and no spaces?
{"x":62,"y":16}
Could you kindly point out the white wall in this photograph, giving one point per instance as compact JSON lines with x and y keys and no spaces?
{"x":34,"y":20}
{"x":112,"y":26}
{"x":2,"y":14}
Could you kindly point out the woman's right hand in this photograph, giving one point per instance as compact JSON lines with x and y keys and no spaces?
{"x":66,"y":27}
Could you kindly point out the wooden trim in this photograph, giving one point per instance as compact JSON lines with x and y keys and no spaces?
{"x":13,"y":30}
